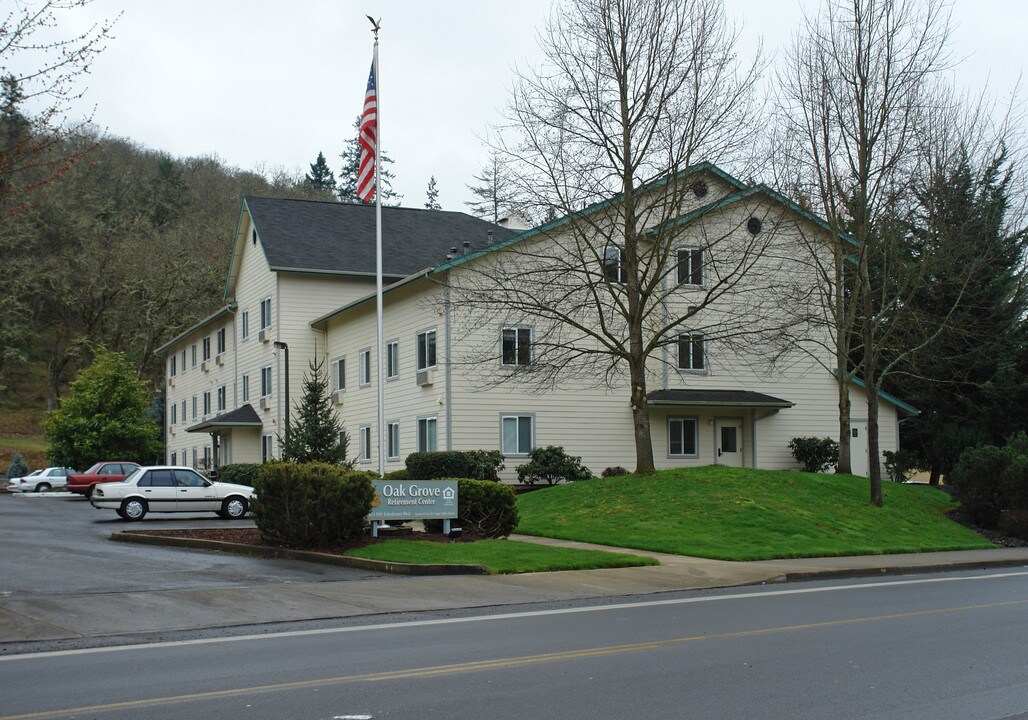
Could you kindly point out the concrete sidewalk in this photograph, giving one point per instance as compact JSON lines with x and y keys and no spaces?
{"x":28,"y":619}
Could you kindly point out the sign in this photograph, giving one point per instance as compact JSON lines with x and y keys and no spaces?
{"x":414,"y":500}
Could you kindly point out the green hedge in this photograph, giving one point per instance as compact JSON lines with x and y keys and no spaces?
{"x":477,"y":464}
{"x":239,"y":473}
{"x":486,"y":508}
{"x":991,"y":481}
{"x":311,"y":505}
{"x":552,"y":465}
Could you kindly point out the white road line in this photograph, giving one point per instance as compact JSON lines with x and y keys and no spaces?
{"x":503,"y":616}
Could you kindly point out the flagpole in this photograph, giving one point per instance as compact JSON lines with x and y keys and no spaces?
{"x":378,"y":257}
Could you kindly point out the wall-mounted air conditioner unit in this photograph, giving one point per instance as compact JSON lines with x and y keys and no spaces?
{"x":205,"y":366}
{"x":265,"y":403}
{"x":337,"y":397}
{"x":171,"y":430}
{"x":264,"y":335}
{"x":220,"y":359}
{"x":425,"y":377}
{"x":171,"y":382}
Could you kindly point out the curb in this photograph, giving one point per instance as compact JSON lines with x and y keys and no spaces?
{"x":396,"y":568}
{"x":842,"y":573}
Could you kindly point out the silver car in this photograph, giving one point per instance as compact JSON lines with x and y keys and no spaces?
{"x":41,"y":480}
{"x":167,"y":488}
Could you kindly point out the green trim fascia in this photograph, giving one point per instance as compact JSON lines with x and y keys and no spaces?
{"x":224,"y":310}
{"x":906,"y":407}
{"x":244,"y":209}
{"x":368,"y":298}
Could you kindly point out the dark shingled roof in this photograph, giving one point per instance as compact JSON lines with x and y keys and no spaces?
{"x":310,"y":235}
{"x":716,"y":398}
{"x":244,"y":416}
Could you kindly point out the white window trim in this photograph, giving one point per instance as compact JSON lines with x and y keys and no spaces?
{"x":417,"y":427}
{"x":364,"y":445}
{"x":393,"y":353}
{"x":696,"y":437}
{"x":271,"y":383}
{"x":531,"y":440}
{"x":244,"y":381}
{"x":364,"y":365}
{"x":261,"y":321}
{"x":222,"y":398}
{"x":531,"y":345}
{"x":705,"y":370}
{"x":266,"y":443}
{"x":703,"y":261}
{"x":622,"y":274}
{"x":417,"y":348}
{"x":392,"y":432}
{"x":244,"y":325}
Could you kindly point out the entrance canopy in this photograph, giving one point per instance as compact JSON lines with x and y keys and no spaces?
{"x":715,"y":399}
{"x":242,"y":417}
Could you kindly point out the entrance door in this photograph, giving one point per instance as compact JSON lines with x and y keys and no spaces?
{"x":728,"y":437}
{"x":858,"y":448}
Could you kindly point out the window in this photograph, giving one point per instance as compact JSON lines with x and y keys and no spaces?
{"x":194,"y":457}
{"x":194,"y":407}
{"x":174,"y":414}
{"x":339,"y":374}
{"x":691,"y":354}
{"x":364,"y":452}
{"x":206,"y":348}
{"x":183,"y":415}
{"x":427,"y":427}
{"x":681,"y":437}
{"x":426,"y":349}
{"x":266,"y":381}
{"x":244,"y":325}
{"x":221,"y":341}
{"x":174,"y":459}
{"x":364,"y":367}
{"x":393,"y":448}
{"x":207,"y":402}
{"x":194,"y":354}
{"x":516,"y":434}
{"x":265,"y":313}
{"x":244,"y":381}
{"x":690,"y":266}
{"x":188,"y":478}
{"x":183,"y":362}
{"x":265,"y":447}
{"x":171,"y":365}
{"x":393,"y":359}
{"x":614,"y":264}
{"x":516,"y":346}
{"x":222,"y":398}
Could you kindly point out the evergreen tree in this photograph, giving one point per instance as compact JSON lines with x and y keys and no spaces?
{"x":320,"y":178}
{"x":432,"y":196}
{"x":18,"y":467}
{"x":315,"y":435}
{"x":494,"y":192}
{"x":351,"y":157}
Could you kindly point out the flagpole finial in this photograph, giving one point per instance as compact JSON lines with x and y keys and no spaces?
{"x":375,"y":25}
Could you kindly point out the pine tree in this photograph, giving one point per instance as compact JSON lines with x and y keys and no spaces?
{"x":315,"y":435}
{"x":351,"y":157}
{"x":321,"y":177}
{"x":18,"y":467}
{"x":495,"y":192}
{"x":432,"y":196}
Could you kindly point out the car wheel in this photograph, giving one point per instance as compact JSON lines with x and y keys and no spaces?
{"x":133,"y":509}
{"x":42,"y":487}
{"x":121,"y":514}
{"x":233,"y":508}
{"x":89,"y":492}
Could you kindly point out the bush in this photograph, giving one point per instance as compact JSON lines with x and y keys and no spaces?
{"x":1015,"y":523}
{"x":900,"y":465}
{"x":239,"y":473}
{"x":18,"y":467}
{"x":477,"y":464}
{"x":616,"y":471}
{"x":551,"y":464}
{"x":396,"y":475}
{"x":991,"y":480}
{"x":486,"y":508}
{"x":311,"y":505}
{"x":815,"y":454}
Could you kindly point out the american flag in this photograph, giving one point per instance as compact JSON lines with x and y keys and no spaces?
{"x":368,"y":138}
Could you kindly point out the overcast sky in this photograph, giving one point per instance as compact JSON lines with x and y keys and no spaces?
{"x":267,"y":84}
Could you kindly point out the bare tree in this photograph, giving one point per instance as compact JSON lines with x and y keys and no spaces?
{"x":495,"y":190}
{"x":863,"y":126}
{"x":611,"y":132}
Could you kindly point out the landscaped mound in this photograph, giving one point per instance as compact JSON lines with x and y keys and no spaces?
{"x":743,"y":514}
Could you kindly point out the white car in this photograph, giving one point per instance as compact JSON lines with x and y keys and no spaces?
{"x":166,"y":488}
{"x":40,"y":480}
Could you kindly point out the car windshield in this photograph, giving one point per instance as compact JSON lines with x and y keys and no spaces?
{"x":93,"y":469}
{"x":131,"y":477}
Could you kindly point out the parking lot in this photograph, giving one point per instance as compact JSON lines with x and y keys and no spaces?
{"x":60,"y":544}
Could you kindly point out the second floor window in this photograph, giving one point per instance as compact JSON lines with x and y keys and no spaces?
{"x":222,"y":398}
{"x":206,"y":349}
{"x":426,"y":349}
{"x":265,"y":313}
{"x":393,"y":359}
{"x":244,"y":325}
{"x":174,"y":414}
{"x":221,"y":341}
{"x":614,"y":270}
{"x":364,"y":366}
{"x":339,"y":374}
{"x":207,"y":402}
{"x":266,"y":381}
{"x":244,"y":383}
{"x":691,"y":352}
{"x":690,"y":266}
{"x":516,"y":346}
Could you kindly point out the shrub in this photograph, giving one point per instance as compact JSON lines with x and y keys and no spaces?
{"x":477,"y":464}
{"x":311,"y":505}
{"x":400,"y":474}
{"x":900,"y":465}
{"x":486,"y":508}
{"x":990,"y":480}
{"x":1015,"y":523}
{"x":616,"y":471}
{"x":551,"y":464}
{"x":815,"y":454}
{"x":18,"y":467}
{"x":239,"y":473}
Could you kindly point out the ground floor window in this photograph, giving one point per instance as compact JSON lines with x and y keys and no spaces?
{"x":393,"y":448}
{"x":427,"y":434}
{"x":682,"y":437}
{"x":516,"y":434}
{"x":266,"y":447}
{"x":174,"y":459}
{"x":365,"y":443}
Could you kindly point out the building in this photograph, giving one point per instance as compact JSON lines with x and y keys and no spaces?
{"x":463,"y":371}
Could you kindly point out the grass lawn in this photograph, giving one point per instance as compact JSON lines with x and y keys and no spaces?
{"x":500,"y":556}
{"x":743,"y":514}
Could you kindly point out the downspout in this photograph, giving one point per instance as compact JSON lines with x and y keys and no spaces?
{"x":447,"y":413}
{"x":754,"y":419}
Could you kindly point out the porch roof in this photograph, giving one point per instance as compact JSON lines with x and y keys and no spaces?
{"x":241,"y":417}
{"x":715,"y":398}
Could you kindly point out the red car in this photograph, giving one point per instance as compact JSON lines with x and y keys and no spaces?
{"x":102,"y":472}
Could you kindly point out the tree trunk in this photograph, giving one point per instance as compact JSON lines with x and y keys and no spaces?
{"x":936,"y":475}
{"x":641,"y":425}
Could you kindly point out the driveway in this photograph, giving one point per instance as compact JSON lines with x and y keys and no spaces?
{"x":58,"y":545}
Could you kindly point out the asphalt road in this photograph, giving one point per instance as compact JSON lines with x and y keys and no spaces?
{"x":60,"y":545}
{"x":932,"y":647}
